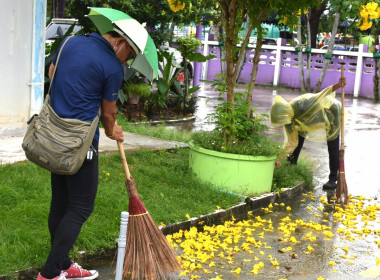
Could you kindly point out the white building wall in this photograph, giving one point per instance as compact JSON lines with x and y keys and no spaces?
{"x":21,"y":62}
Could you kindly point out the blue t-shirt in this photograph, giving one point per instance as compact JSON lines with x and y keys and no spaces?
{"x":88,"y":71}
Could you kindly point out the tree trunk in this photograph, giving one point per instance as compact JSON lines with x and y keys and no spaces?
{"x":186,"y":91}
{"x":300,"y":56}
{"x":61,"y":9}
{"x":376,"y":80}
{"x":328,"y":53}
{"x":248,"y":30}
{"x":315,"y":15}
{"x":54,"y":9}
{"x":228,"y":21}
{"x":308,"y":54}
{"x":256,"y":59}
{"x":376,"y":86}
{"x":171,"y":31}
{"x":222,"y":51}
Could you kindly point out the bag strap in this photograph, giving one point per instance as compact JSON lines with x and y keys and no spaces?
{"x":47,"y":98}
{"x":55,"y":67}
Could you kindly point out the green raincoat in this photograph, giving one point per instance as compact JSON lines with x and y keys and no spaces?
{"x":315,"y":117}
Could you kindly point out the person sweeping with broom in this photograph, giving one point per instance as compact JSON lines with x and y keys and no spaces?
{"x":316,"y":117}
{"x":79,"y":88}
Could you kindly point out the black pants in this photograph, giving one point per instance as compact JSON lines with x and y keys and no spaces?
{"x":333,"y":148}
{"x":73,"y":198}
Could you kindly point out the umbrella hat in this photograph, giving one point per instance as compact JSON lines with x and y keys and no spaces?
{"x":107,"y":19}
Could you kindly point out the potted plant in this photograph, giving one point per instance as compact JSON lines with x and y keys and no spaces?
{"x":135,"y":88}
{"x":243,"y":162}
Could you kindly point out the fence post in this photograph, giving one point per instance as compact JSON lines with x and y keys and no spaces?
{"x":277,"y":64}
{"x":359,"y":70}
{"x":205,"y":53}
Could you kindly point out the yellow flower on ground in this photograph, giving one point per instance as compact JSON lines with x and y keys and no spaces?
{"x":293,"y":239}
{"x":331,"y":263}
{"x":184,"y":273}
{"x":275,"y":263}
{"x":212,"y":264}
{"x":218,"y":277}
{"x":345,"y":249}
{"x":237,"y":271}
{"x":187,"y":216}
{"x":288,"y":208}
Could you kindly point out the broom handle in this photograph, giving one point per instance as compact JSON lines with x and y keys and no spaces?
{"x":342,"y":112}
{"x":124,"y":160}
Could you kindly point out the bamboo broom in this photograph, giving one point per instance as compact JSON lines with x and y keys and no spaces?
{"x":341,"y":190}
{"x":148,"y":254}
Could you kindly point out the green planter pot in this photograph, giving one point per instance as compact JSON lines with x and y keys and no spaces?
{"x":241,"y":174}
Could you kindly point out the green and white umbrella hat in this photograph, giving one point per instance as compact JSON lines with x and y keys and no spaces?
{"x":107,"y":19}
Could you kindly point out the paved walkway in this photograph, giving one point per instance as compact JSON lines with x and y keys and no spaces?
{"x":11,"y":150}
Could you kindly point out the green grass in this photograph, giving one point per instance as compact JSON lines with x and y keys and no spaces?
{"x":167,"y":188}
{"x":288,"y":175}
{"x":159,"y":131}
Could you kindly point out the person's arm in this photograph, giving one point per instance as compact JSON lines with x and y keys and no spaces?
{"x":342,"y":82}
{"x":112,"y":130}
{"x":51,"y":71}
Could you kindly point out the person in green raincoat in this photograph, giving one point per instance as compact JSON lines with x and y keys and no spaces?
{"x":314,"y":116}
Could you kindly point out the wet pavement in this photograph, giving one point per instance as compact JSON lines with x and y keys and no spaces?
{"x":344,"y":243}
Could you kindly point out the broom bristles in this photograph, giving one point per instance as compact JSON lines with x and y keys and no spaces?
{"x":148,"y":254}
{"x":341,"y":190}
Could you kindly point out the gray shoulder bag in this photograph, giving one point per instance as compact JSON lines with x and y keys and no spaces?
{"x":57,"y":144}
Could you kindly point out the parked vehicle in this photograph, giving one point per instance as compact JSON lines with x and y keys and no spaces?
{"x":59,"y":26}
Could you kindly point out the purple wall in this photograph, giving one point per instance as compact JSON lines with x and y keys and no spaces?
{"x":366,"y":87}
{"x":289,"y":72}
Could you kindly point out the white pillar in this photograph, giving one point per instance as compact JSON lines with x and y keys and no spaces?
{"x":277,"y":64}
{"x":205,"y":53}
{"x":359,"y":70}
{"x":122,"y":243}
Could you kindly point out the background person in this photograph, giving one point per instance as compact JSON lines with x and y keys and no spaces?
{"x":88,"y":76}
{"x":312,"y":116}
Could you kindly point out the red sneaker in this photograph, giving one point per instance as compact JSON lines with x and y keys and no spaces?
{"x":76,"y":272}
{"x":60,"y":277}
